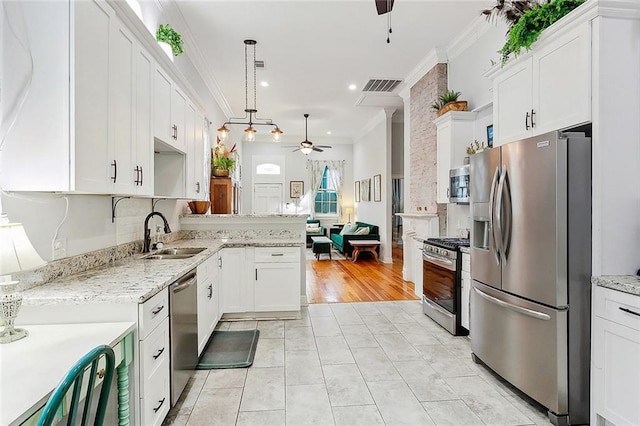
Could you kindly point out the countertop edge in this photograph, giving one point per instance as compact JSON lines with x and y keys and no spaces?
{"x":629,"y":284}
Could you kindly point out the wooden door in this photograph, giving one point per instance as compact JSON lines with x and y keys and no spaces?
{"x":220,"y":195}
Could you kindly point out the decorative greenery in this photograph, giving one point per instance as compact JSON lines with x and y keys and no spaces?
{"x":445,"y":98}
{"x":223,"y":158}
{"x":527,"y":29}
{"x":509,"y":10}
{"x":172,"y":37}
{"x":475,"y":147}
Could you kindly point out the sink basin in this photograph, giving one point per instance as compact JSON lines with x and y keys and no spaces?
{"x":180,"y":251}
{"x":175,"y":253}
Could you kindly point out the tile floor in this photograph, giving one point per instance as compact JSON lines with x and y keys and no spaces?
{"x":365,"y":363}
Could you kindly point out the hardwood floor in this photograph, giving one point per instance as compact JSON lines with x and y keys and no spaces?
{"x":364,"y":281}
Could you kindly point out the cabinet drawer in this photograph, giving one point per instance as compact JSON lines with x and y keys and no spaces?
{"x":154,"y":352}
{"x":618,"y":307}
{"x":277,"y":254}
{"x":155,"y":401}
{"x":152,"y":312}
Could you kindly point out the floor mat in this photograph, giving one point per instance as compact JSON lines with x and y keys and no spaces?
{"x":335,"y":255}
{"x":229,"y":349}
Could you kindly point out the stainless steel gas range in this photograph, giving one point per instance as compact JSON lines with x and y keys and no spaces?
{"x":441,"y":282}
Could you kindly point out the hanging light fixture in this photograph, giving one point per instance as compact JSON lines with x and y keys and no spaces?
{"x":249,"y":118}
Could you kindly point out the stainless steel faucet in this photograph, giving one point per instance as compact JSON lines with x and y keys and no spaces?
{"x":147,"y":231}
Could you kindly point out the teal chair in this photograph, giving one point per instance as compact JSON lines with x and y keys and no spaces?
{"x":75,"y":378}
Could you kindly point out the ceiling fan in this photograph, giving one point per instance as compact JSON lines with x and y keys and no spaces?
{"x":306,"y":146}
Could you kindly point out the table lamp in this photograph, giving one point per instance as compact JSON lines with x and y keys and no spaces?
{"x":16,"y":254}
{"x":349,"y":212}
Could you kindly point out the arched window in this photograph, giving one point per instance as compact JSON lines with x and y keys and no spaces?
{"x":267,"y":169}
{"x":326,"y":201}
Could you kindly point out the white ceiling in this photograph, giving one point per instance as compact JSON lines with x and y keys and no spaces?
{"x":313,"y":50}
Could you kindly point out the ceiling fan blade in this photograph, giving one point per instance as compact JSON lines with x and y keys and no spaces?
{"x":297,"y":149}
{"x":315,"y":148}
{"x":323,"y":146}
{"x":384,"y":6}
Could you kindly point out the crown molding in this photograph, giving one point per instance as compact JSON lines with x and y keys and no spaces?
{"x":435,"y":56}
{"x":469,"y":35}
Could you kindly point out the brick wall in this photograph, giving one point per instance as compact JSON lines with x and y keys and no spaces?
{"x":423,"y":173}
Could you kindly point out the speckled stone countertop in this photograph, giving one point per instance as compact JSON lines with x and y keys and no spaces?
{"x":133,"y":279}
{"x":624,"y":283}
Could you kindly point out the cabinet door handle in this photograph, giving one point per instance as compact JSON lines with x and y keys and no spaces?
{"x":526,"y":121}
{"x":155,"y":410}
{"x":220,"y":263}
{"x":277,"y":254}
{"x":629,"y":311}
{"x":533,"y":124}
{"x":141,"y":176}
{"x":447,"y":192}
{"x":210,"y":291}
{"x":115,"y":171}
{"x":197,"y":187}
{"x":156,"y":356}
{"x":157,"y":310}
{"x":137,"y":179}
{"x":256,"y":274}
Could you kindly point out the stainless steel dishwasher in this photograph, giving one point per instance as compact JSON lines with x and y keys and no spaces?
{"x":183,"y":332}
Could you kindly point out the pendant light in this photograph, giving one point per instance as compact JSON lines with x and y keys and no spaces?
{"x":250,"y":120}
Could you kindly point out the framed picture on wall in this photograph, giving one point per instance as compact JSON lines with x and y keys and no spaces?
{"x":377,"y":188}
{"x":296,"y":189}
{"x":365,"y":189}
{"x":356,"y":191}
{"x":490,"y":135}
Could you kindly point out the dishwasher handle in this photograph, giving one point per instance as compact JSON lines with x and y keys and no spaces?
{"x":184,"y":282}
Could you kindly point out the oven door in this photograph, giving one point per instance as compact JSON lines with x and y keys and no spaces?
{"x":438,"y":280}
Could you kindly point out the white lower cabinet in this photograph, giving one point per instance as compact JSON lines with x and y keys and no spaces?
{"x":154,"y":357}
{"x":261,"y":279}
{"x":615,"y":358}
{"x":277,"y":279}
{"x":465,"y":290}
{"x":208,"y":300}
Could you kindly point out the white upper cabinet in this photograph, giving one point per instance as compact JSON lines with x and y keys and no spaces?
{"x":83,"y":127}
{"x":162,"y":128}
{"x":197,"y":174}
{"x":546,"y":89}
{"x":454,"y":133}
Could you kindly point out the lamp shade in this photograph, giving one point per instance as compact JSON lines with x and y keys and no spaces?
{"x":348,"y":210}
{"x":16,"y":252}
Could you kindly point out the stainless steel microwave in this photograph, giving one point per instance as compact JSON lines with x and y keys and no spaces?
{"x":459,"y":185}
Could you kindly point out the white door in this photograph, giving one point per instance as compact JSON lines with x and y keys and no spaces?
{"x":267,"y":198}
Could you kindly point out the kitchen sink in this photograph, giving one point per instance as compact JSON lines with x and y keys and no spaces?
{"x":174,"y":253}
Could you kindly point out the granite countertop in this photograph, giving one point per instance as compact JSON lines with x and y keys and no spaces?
{"x":133,"y":280}
{"x":625,"y":283}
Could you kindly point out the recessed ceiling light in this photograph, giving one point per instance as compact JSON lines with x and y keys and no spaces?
{"x":352,"y":87}
{"x":264,"y":84}
{"x":329,"y":132}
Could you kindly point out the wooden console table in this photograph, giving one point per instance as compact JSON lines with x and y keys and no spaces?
{"x":360,"y":246}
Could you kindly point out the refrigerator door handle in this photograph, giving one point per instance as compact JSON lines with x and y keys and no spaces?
{"x":499,"y":212}
{"x":506,"y":237}
{"x":516,"y":308}
{"x":492,"y":192}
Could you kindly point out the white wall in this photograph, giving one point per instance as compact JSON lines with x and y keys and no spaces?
{"x":397,"y":148}
{"x":372,"y":156}
{"x":296,"y":169}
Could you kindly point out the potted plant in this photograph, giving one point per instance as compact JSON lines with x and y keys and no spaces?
{"x":223,"y":161}
{"x":168,"y":35}
{"x":448,"y":101}
{"x":527,"y":19}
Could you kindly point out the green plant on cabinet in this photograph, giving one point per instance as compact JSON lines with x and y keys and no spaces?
{"x":170,"y":36}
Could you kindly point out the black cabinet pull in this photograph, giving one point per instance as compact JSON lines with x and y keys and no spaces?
{"x":533,"y":124}
{"x":629,"y":311}
{"x":141,"y":176}
{"x":197,"y":187}
{"x":158,"y":354}
{"x":155,"y":410}
{"x":157,"y":310}
{"x":115,"y":171}
{"x":210,"y":291}
{"x":256,"y":274}
{"x":137,"y":179}
{"x":526,"y":121}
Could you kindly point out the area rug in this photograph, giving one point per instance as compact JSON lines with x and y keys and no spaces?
{"x":335,"y":255}
{"x":229,"y":349}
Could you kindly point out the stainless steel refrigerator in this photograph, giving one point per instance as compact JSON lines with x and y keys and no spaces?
{"x":531,"y":268}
